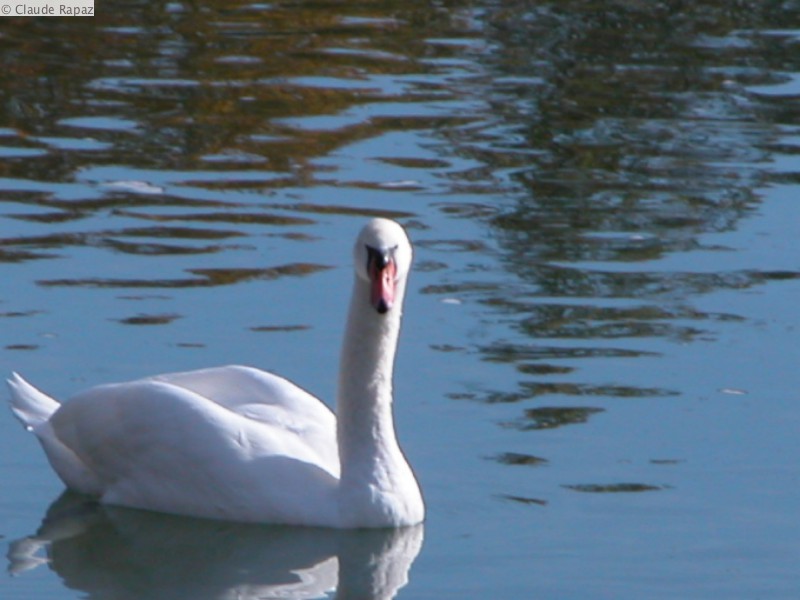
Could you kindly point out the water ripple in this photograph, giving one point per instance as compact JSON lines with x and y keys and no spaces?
{"x":205,"y":278}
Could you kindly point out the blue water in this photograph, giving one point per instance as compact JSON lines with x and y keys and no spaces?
{"x":597,"y":380}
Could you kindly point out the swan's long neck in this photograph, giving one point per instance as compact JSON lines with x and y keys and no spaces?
{"x":364,"y":401}
{"x":374,"y":472}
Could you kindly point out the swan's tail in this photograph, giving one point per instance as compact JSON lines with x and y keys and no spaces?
{"x":28,"y":404}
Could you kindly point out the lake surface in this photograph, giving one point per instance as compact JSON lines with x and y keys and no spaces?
{"x":598,"y":381}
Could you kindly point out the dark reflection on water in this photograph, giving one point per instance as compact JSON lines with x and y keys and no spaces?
{"x":614,"y":488}
{"x":150,"y":319}
{"x":118,"y":553}
{"x":517,"y":459}
{"x":549,"y":417}
{"x":205,"y":278}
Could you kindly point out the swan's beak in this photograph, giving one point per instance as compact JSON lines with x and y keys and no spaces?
{"x":382,"y":274}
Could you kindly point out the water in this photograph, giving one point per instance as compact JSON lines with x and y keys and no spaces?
{"x":597,"y":380}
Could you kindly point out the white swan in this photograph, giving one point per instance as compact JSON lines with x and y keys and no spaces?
{"x":241,"y":444}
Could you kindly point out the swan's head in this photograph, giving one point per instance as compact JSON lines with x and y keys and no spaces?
{"x":382,"y":258}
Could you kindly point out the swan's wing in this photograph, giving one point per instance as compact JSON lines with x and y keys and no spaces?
{"x":155,"y":445}
{"x":267,"y":398}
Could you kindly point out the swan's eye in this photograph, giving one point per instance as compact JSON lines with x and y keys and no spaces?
{"x":378,"y":260}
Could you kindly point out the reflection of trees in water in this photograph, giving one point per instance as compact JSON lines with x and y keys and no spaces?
{"x":220,"y":80}
{"x":231,"y":104}
{"x":624,"y":132}
{"x":594,"y":138}
{"x":634,"y":119}
{"x":637,"y":121}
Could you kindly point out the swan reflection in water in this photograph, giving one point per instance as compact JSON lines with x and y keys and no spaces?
{"x":121,"y":554}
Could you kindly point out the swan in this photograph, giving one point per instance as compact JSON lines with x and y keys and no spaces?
{"x":237,"y":443}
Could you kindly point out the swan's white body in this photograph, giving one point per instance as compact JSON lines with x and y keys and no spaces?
{"x":238,"y":443}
